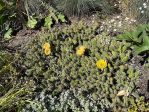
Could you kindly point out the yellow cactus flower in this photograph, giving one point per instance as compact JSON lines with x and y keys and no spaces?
{"x":81,"y":51}
{"x":101,"y":64}
{"x":47,"y":51}
{"x":46,"y":46}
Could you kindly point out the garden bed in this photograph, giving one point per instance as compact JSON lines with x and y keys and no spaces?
{"x":92,"y":63}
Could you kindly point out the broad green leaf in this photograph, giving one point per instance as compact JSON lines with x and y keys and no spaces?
{"x":145,"y":44}
{"x":55,"y":18}
{"x":48,"y":22}
{"x":61,"y":17}
{"x":31,"y":22}
{"x":139,"y":37}
{"x":135,"y":36}
{"x":126,"y":36}
{"x":7,"y":35}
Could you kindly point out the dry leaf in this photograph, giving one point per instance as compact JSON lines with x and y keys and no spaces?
{"x":123,"y":93}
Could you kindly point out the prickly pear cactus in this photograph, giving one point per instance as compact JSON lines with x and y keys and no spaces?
{"x":95,"y":67}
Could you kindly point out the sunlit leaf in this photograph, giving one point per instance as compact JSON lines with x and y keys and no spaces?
{"x":31,"y":23}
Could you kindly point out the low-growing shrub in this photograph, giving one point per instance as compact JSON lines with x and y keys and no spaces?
{"x":139,"y":37}
{"x":96,"y":67}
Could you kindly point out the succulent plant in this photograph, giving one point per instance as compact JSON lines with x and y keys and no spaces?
{"x":63,"y":70}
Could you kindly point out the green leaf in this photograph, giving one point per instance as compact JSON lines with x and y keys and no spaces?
{"x":48,"y":22}
{"x":61,"y":17}
{"x":31,"y":22}
{"x":7,"y":35}
{"x":2,"y":5}
{"x":145,"y":44}
{"x":1,"y":88}
{"x":126,"y":36}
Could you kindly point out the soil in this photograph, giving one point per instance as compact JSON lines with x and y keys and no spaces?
{"x":22,"y":37}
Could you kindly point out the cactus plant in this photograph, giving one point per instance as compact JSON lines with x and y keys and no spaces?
{"x":64,"y":70}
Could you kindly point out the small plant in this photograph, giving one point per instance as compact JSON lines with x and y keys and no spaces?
{"x":139,"y":38}
{"x":52,"y":17}
{"x":9,"y":21}
{"x":140,"y":105}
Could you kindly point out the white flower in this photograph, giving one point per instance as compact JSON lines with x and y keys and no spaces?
{"x":115,"y":4}
{"x":140,"y":8}
{"x":142,"y":12}
{"x":120,"y":24}
{"x":114,"y":30}
{"x":118,"y":17}
{"x":133,"y":20}
{"x":144,"y":4}
{"x":130,"y":22}
{"x":126,"y":18}
{"x":101,"y":26}
{"x":115,"y":24}
{"x":112,"y":20}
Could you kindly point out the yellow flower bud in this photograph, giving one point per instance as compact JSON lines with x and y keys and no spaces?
{"x":46,"y":46}
{"x":80,"y":51}
{"x":101,"y":64}
{"x":47,"y":51}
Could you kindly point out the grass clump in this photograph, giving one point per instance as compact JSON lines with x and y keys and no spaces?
{"x":12,"y":99}
{"x":81,"y":7}
{"x":7,"y":72}
{"x":12,"y":91}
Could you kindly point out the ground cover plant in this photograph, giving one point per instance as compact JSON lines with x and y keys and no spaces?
{"x":74,"y":55}
{"x":10,"y":92}
{"x":94,"y":68}
{"x":139,"y":37}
